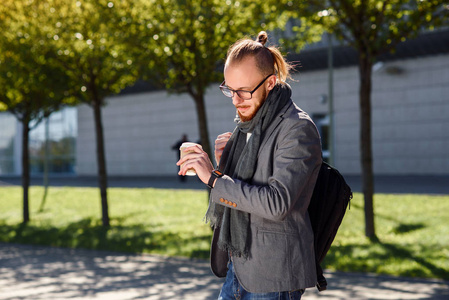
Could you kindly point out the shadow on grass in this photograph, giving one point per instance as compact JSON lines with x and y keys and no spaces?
{"x":372,"y":257}
{"x":90,"y":234}
{"x":406,"y":228}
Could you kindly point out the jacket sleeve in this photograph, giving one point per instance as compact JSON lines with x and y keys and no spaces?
{"x":294,"y":165}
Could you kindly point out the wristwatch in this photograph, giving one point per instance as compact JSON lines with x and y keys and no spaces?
{"x":215,"y":174}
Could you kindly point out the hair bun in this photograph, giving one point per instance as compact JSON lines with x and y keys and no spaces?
{"x":262,"y":37}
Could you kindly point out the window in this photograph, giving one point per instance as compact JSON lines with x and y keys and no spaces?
{"x":7,"y":135}
{"x":60,"y":150}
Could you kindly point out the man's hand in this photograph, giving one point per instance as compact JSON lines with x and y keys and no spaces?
{"x":220,"y":144}
{"x":198,"y":160}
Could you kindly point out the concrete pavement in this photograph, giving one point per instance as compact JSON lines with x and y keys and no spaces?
{"x":38,"y":272}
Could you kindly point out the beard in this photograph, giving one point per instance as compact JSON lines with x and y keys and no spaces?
{"x":257,"y":107}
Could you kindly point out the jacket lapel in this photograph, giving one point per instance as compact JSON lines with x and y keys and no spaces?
{"x":275,"y":124}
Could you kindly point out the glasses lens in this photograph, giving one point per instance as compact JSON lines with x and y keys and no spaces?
{"x":227,"y":92}
{"x":245,"y":95}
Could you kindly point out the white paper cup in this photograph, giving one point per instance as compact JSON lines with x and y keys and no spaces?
{"x":190,"y":172}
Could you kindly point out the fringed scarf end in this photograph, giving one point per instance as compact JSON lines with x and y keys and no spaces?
{"x":234,"y":251}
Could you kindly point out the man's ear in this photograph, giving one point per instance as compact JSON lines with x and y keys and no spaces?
{"x":271,"y":82}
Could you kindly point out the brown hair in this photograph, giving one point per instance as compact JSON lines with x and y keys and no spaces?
{"x":269,"y":60}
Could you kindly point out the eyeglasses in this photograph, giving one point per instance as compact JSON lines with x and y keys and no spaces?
{"x":244,"y":95}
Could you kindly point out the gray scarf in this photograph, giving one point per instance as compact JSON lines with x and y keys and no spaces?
{"x":240,"y":159}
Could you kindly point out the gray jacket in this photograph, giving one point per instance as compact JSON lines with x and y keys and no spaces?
{"x":282,"y":251}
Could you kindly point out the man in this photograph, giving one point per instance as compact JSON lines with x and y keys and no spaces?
{"x":263,"y":240}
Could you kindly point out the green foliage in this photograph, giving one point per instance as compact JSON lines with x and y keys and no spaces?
{"x":60,"y":51}
{"x":192,"y":38}
{"x":413,"y":229}
{"x":32,"y":84}
{"x":372,"y":27}
{"x":90,"y":40}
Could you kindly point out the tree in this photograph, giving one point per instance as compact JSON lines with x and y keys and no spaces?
{"x":92,"y":50}
{"x":192,"y":39}
{"x":32,"y":86}
{"x":372,"y":27}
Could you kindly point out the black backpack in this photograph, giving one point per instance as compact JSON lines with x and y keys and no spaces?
{"x":327,"y":207}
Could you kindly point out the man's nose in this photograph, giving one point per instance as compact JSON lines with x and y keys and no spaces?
{"x":236,"y":100}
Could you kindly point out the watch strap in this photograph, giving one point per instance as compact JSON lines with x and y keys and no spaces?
{"x":214,"y":175}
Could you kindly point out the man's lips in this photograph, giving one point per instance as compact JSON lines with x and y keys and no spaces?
{"x":243,"y":108}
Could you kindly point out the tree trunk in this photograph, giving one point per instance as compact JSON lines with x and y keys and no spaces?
{"x":101,"y":162}
{"x":25,"y":168}
{"x":365,"y":68}
{"x":203,"y":130}
{"x":202,"y":124}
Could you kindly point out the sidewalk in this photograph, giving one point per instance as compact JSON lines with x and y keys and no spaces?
{"x":35,"y":272}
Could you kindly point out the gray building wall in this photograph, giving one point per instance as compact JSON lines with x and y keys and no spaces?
{"x":410,"y":106}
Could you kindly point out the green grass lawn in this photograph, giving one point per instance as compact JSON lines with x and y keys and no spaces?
{"x":158,"y":221}
{"x":413,"y":230}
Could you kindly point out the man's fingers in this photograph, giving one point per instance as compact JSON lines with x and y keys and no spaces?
{"x":224,"y":135}
{"x":192,"y":153}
